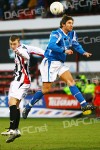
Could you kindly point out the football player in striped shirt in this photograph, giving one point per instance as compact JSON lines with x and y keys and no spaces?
{"x":21,"y":83}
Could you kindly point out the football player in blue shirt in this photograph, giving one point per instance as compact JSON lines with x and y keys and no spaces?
{"x":61,"y":40}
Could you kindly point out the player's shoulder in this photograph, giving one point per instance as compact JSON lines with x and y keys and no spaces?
{"x":23,"y":47}
{"x":72,"y":33}
{"x":55,"y":33}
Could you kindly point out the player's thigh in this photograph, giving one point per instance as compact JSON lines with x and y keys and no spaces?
{"x":49,"y":70}
{"x":18,"y":90}
{"x":46,"y":87}
{"x":67,"y":77}
{"x":12,"y":101}
{"x":18,"y":102}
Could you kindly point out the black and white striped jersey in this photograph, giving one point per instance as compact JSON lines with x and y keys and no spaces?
{"x":22,"y":58}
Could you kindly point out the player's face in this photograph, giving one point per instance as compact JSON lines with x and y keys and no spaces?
{"x":14,"y":44}
{"x":68,"y":26}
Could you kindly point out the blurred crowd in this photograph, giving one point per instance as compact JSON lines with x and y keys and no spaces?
{"x":29,"y":9}
{"x":81,"y":7}
{"x":90,"y":90}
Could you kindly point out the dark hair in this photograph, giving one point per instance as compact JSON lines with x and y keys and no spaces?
{"x":14,"y":37}
{"x":64,"y":19}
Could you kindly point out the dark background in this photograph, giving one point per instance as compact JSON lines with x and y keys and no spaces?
{"x":90,"y":40}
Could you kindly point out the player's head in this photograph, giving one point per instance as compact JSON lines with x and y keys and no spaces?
{"x":66,"y":23}
{"x":14,"y":42}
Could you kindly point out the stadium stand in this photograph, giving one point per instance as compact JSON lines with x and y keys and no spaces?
{"x":30,"y":9}
{"x":5,"y":79}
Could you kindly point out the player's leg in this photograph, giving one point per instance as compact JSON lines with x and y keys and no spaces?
{"x":16,"y":92}
{"x":37,"y":96}
{"x":18,"y":120}
{"x":67,"y":77}
{"x":48,"y":76}
{"x":13,"y":112}
{"x":14,"y":132}
{"x":18,"y":115}
{"x":13,"y":116}
{"x":12,"y":102}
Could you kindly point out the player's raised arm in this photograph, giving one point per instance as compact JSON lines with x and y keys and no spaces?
{"x":75,"y":44}
{"x":35,"y":50}
{"x":22,"y":52}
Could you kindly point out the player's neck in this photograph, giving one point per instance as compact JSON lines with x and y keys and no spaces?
{"x":64,"y":31}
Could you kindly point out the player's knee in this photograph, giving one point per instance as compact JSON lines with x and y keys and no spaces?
{"x":12,"y":101}
{"x":70,"y":82}
{"x":45,"y":90}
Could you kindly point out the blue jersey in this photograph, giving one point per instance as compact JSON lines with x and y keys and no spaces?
{"x":59,"y":42}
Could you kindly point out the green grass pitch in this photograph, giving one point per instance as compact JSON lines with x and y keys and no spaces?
{"x":54,"y":134}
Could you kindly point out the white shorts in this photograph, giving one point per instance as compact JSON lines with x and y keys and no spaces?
{"x":51,"y":69}
{"x":18,"y":90}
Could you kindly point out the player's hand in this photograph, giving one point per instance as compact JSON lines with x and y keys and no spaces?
{"x":87,"y":54}
{"x":69,"y":52}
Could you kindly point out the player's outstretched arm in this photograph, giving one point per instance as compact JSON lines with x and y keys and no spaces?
{"x":35,"y":50}
{"x":22,"y":53}
{"x":53,"y":42}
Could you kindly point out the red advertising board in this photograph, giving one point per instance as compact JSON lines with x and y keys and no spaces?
{"x":61,"y":101}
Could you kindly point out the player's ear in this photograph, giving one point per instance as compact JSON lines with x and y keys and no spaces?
{"x":63,"y":24}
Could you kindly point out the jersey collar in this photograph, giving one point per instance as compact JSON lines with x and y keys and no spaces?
{"x":63,"y":32}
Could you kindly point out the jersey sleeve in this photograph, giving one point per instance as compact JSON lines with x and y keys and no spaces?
{"x":22,"y":51}
{"x":55,"y":38}
{"x":75,"y":44}
{"x":35,"y":50}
